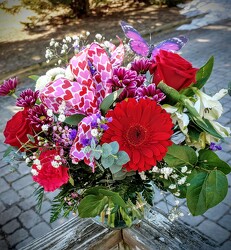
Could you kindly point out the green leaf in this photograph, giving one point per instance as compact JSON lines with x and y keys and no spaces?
{"x":114,"y":147}
{"x":210,"y":160}
{"x":34,"y":77}
{"x":115,"y":197}
{"x":119,"y":175}
{"x":107,"y":150}
{"x":107,"y":162}
{"x":71,"y":180}
{"x":108,"y":101}
{"x":8,"y":151}
{"x":92,"y":205}
{"x":115,"y":168}
{"x":127,"y":219}
{"x":74,"y":119}
{"x":178,"y":156}
{"x":206,"y":190}
{"x":30,"y":138}
{"x":204,"y":73}
{"x":122,"y":159}
{"x":206,"y":126}
{"x":39,"y":193}
{"x":97,"y":152}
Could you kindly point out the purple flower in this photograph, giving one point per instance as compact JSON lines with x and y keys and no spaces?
{"x":128,"y":79}
{"x":8,"y":87}
{"x":150,"y":92}
{"x":73,"y":134}
{"x":141,"y":66}
{"x":214,"y":147}
{"x":27,"y":98}
{"x":38,"y":116}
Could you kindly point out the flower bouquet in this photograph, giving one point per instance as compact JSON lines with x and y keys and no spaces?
{"x":109,"y":124}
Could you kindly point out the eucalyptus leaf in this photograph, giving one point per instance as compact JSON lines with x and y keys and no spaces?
{"x":74,"y":120}
{"x":115,"y":168}
{"x":206,"y":190}
{"x":108,"y":101}
{"x":107,"y":162}
{"x":92,"y":205}
{"x":106,"y":150}
{"x":114,"y":147}
{"x":210,"y":160}
{"x":122,"y":159}
{"x":178,"y":156}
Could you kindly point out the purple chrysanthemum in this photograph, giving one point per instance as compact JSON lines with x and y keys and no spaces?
{"x":8,"y":87}
{"x":141,"y":66}
{"x":72,"y":134}
{"x":38,"y":116}
{"x":27,"y":98}
{"x":151,"y":92}
{"x":125,"y":78}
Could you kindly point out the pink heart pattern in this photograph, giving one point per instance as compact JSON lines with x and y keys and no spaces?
{"x":91,"y":68}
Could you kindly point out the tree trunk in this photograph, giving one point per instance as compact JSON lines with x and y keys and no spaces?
{"x":80,"y":7}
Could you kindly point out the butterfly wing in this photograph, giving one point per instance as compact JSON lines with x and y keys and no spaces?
{"x":172,"y":44}
{"x":137,"y":43}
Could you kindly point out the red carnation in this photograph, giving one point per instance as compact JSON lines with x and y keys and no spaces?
{"x":142,"y":129}
{"x":49,"y":173}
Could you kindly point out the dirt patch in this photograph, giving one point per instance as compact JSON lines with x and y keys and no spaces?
{"x":30,"y":46}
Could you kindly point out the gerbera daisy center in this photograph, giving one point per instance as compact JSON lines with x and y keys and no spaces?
{"x":136,"y":135}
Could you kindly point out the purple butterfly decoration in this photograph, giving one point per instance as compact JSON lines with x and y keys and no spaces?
{"x":142,"y":48}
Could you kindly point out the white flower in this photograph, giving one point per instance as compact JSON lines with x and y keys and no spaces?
{"x":178,"y":117}
{"x":41,"y":82}
{"x":27,"y":160}
{"x":61,"y":117}
{"x":34,"y":172}
{"x":98,"y":36}
{"x":36,"y":162}
{"x":57,"y":158}
{"x":207,"y":106}
{"x":88,"y":33}
{"x":94,"y":132}
{"x":45,"y":127}
{"x":55,"y":164}
{"x":142,"y":175}
{"x":166,"y":171}
{"x":182,"y":180}
{"x":39,"y":167}
{"x":68,"y":39}
{"x":184,"y":169}
{"x":52,"y":73}
{"x":172,"y":186}
{"x":155,"y":169}
{"x":52,"y":42}
{"x":56,"y":44}
{"x":68,"y":73}
{"x":50,"y":112}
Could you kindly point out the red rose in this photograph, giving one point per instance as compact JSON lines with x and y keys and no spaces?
{"x":173,"y":70}
{"x":17,"y":128}
{"x":49,"y":173}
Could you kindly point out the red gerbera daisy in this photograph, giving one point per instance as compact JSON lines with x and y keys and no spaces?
{"x":142,"y":129}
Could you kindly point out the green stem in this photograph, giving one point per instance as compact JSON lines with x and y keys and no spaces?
{"x":169,"y":91}
{"x":13,"y":94}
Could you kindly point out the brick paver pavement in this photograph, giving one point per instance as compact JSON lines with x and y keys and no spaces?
{"x":21,"y":223}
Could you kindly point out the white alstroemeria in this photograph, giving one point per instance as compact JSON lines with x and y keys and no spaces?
{"x":207,"y":106}
{"x":178,"y":117}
